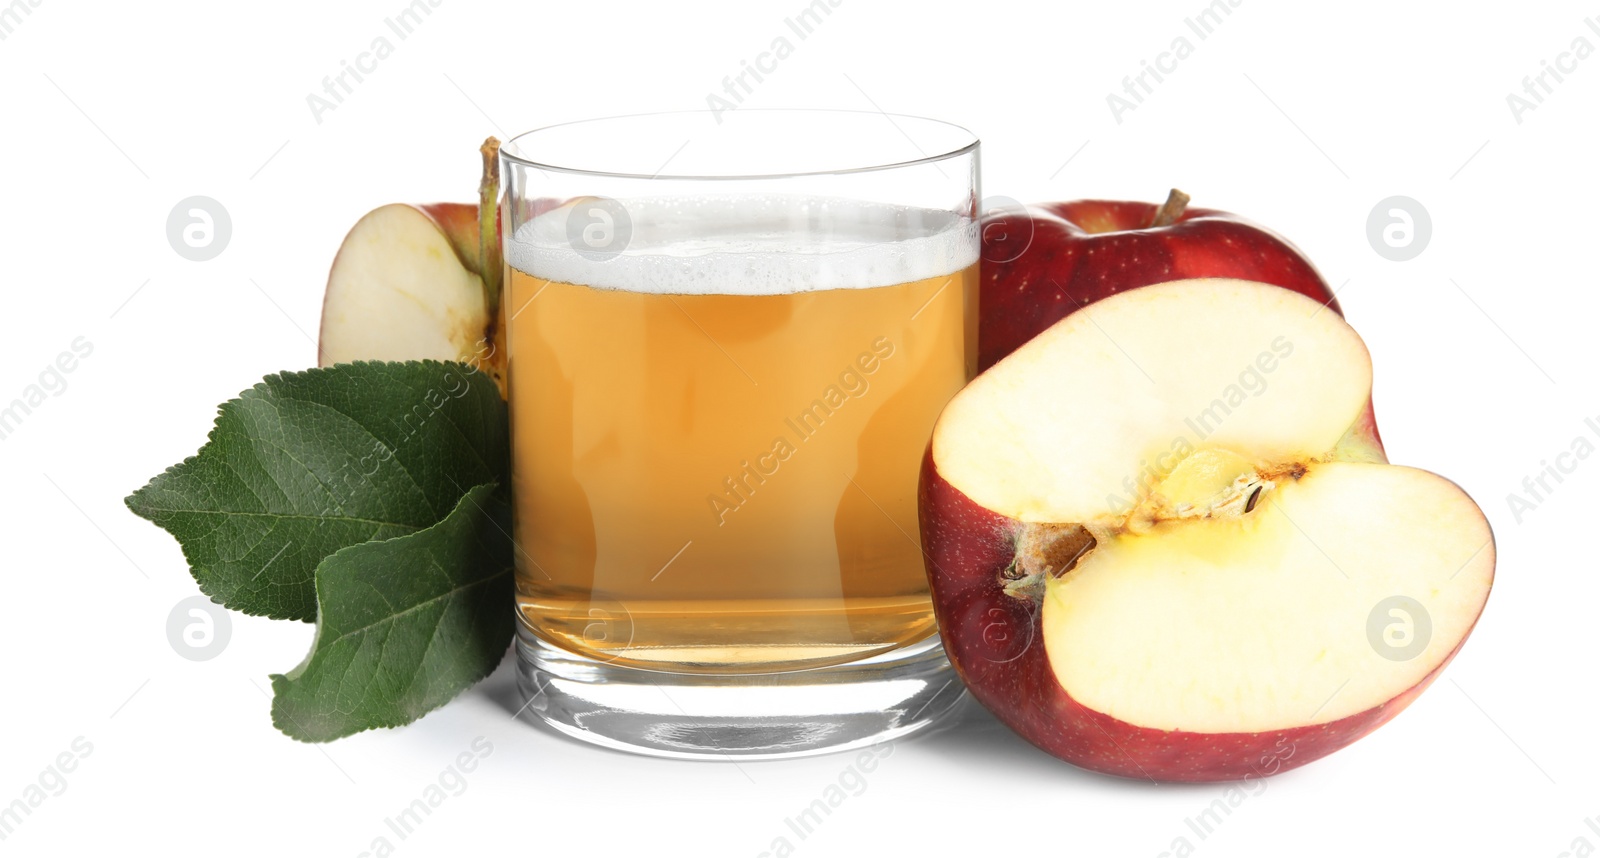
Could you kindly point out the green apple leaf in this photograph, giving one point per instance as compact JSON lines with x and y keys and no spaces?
{"x":404,"y":625}
{"x":305,"y":464}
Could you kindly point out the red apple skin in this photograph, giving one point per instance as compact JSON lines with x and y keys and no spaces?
{"x":1039,"y":266}
{"x":1073,"y":254}
{"x":459,"y":223}
{"x":1076,"y":253}
{"x":991,"y":640}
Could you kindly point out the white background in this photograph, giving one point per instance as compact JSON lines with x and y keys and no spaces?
{"x":1301,"y":116}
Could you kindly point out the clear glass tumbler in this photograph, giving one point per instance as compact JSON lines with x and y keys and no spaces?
{"x":728,"y":337}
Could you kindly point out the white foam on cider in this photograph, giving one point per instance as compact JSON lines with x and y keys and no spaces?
{"x":751,"y":245}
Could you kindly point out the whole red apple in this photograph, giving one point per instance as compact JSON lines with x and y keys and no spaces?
{"x":1045,"y":261}
{"x":1163,"y":540}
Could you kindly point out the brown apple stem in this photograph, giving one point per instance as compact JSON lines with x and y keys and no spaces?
{"x":1172,"y":209}
{"x":1051,"y":549}
{"x":489,"y":226}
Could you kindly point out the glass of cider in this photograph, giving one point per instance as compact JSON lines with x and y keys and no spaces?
{"x":728,"y":335}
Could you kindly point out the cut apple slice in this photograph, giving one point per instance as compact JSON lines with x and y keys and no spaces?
{"x":1141,"y":380}
{"x":399,"y":291}
{"x":1252,"y":623}
{"x":421,"y":282}
{"x":1180,"y":491}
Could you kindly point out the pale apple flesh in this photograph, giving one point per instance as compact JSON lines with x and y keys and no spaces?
{"x":399,"y":290}
{"x":1251,"y":624}
{"x":1150,"y":585}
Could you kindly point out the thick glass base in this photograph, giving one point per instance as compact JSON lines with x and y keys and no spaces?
{"x":766,"y":716}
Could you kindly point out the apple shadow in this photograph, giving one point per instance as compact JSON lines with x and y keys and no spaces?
{"x":972,"y":736}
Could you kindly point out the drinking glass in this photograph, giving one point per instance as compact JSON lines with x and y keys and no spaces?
{"x":728,"y":337}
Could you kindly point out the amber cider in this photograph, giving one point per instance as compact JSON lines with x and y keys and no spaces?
{"x":716,"y":434}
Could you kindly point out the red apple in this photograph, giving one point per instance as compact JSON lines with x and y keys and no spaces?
{"x":414,"y":282}
{"x":1164,"y":542}
{"x":1046,"y":261}
{"x":399,"y":288}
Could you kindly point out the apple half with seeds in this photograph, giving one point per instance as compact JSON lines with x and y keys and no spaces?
{"x":1164,"y":541}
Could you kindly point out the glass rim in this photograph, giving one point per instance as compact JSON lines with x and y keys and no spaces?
{"x":971,"y":145}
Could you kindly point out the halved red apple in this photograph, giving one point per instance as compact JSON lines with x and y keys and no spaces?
{"x":398,"y":289}
{"x":414,"y":282}
{"x":1164,"y":542}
